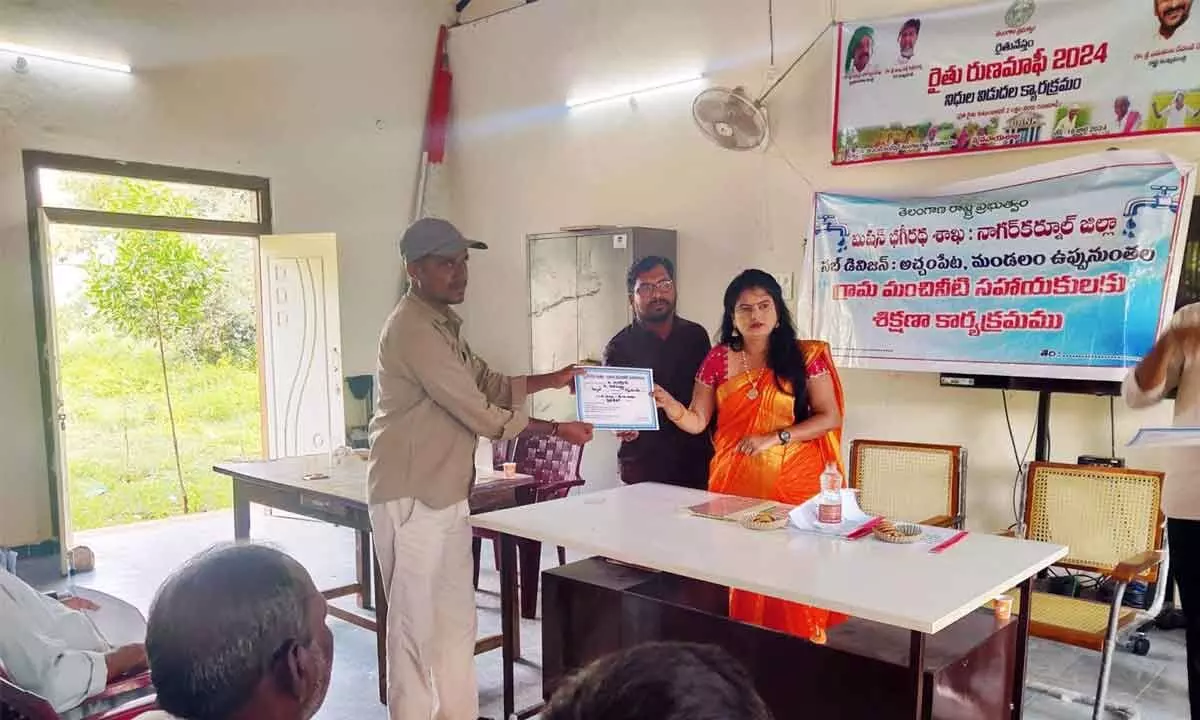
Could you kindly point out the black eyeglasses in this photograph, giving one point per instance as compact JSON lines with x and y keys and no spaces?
{"x":648,"y":289}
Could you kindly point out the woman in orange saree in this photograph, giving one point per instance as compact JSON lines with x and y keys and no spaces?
{"x":771,"y":442}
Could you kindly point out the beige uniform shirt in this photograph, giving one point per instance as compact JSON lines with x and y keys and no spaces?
{"x":435,"y":399}
{"x":1181,"y":489}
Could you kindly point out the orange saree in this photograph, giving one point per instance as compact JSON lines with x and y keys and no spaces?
{"x":789,"y":474}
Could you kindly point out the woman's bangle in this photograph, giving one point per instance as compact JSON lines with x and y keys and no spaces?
{"x":678,"y":417}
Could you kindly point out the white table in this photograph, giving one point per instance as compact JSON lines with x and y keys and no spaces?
{"x":647,"y":525}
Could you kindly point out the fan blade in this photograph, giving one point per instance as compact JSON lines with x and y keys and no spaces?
{"x":729,"y":142}
{"x":709,"y":109}
{"x":747,"y":124}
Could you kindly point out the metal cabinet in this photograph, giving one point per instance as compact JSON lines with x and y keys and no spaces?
{"x":578,"y":298}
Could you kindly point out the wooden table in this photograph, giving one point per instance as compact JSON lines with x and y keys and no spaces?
{"x":340,"y":499}
{"x":895,"y":585}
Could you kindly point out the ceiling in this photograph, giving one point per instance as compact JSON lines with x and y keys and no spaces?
{"x":147,"y":33}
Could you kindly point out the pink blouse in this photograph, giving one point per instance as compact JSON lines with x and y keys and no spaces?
{"x":715,"y":368}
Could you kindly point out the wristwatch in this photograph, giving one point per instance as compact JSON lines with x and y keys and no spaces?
{"x":785,"y":437}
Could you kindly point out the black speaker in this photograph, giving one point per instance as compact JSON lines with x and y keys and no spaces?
{"x":1095,"y":460}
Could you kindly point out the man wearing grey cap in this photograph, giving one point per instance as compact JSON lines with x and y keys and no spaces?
{"x":436,"y":398}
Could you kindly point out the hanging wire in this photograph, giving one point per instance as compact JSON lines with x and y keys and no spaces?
{"x":461,"y":5}
{"x":772,"y":144}
{"x":771,"y":28}
{"x":1112,"y":426}
{"x":762,"y":98}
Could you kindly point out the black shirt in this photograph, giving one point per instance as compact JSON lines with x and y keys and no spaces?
{"x":669,"y":455}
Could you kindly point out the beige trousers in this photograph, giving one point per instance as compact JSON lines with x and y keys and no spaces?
{"x":425,"y":560}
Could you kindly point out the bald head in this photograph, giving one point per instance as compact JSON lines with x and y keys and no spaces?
{"x":239,"y":627}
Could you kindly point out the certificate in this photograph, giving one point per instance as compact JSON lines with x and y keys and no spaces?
{"x":1166,"y":437}
{"x":614,"y":398}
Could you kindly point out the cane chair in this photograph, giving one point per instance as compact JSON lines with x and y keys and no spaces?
{"x":1110,"y":520}
{"x":914,"y":482}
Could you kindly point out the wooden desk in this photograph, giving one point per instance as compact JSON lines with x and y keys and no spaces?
{"x":901,"y":586}
{"x":341,"y":499}
{"x":595,"y":607}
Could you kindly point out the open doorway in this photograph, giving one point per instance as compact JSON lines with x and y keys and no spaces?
{"x":175,"y":332}
{"x":150,"y":400}
{"x":171,"y":286}
{"x":156,"y":343}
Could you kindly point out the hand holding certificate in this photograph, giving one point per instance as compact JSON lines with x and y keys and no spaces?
{"x":613,"y":398}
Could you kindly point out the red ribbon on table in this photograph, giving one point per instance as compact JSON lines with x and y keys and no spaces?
{"x":949,"y":542}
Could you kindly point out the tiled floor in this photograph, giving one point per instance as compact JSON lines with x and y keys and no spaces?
{"x":133,"y":560}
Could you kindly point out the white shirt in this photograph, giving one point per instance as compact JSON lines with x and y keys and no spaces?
{"x":1181,"y":489}
{"x":48,"y":648}
{"x":1175,"y":117}
{"x":1066,"y":126}
{"x":1129,"y":122}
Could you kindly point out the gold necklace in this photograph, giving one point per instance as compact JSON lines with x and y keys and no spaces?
{"x":752,"y":393}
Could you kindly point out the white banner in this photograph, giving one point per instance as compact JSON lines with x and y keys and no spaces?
{"x":1005,"y":74}
{"x":1067,"y":269}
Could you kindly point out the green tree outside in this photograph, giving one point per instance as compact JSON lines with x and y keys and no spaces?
{"x":154,"y":288}
{"x":158,"y":355}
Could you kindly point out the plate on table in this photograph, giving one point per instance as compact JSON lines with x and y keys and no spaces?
{"x":899,"y":533}
{"x":768,"y":518}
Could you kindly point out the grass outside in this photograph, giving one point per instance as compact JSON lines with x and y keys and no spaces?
{"x":118,"y":441}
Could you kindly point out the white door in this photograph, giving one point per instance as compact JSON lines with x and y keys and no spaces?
{"x":58,"y":435}
{"x":302,"y":345}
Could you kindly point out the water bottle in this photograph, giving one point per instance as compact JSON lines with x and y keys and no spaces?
{"x":829,"y":504}
{"x":70,"y":590}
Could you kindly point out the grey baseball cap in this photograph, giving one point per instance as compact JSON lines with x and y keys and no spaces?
{"x":434,"y":236}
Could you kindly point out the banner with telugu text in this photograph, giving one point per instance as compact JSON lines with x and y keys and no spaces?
{"x":1064,"y":270}
{"x":1008,"y":74}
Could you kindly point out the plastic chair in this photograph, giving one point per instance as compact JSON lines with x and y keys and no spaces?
{"x":554,"y":464}
{"x":19,"y":704}
{"x":913,"y":482}
{"x":1110,"y":520}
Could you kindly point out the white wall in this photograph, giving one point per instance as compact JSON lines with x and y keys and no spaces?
{"x":520,"y":164}
{"x":326,"y":99}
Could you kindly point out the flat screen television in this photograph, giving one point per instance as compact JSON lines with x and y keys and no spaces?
{"x":1188,"y":292}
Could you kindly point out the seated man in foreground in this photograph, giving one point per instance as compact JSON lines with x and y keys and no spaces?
{"x":53,"y":649}
{"x":239,"y":633}
{"x":660,"y":681}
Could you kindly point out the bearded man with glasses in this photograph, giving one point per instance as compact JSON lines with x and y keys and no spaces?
{"x":673,"y":348}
